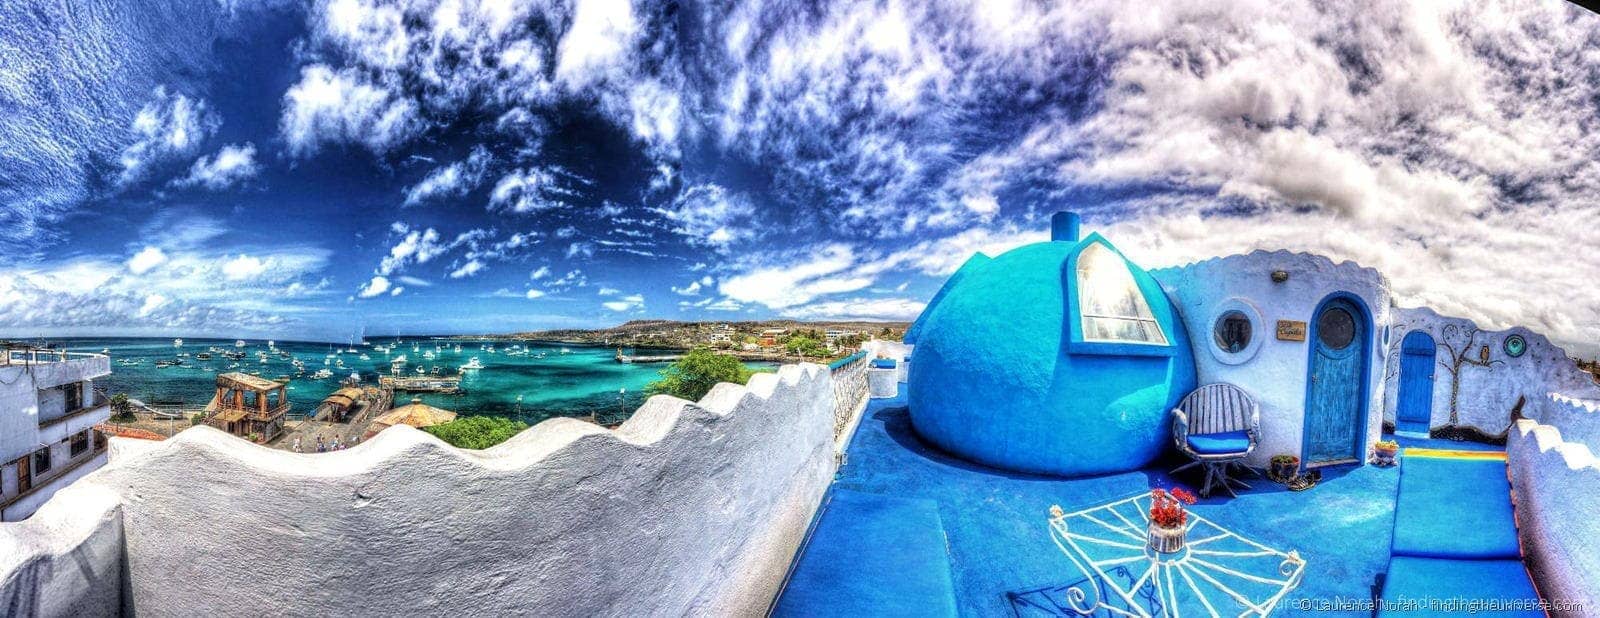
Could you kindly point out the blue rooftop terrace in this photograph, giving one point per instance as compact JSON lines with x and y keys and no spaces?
{"x":909,"y":530}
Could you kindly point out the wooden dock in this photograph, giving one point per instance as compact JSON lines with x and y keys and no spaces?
{"x":422,"y":384}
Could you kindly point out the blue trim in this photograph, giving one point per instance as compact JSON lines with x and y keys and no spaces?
{"x":846,"y":360}
{"x":1163,"y":311}
{"x":1366,"y":376}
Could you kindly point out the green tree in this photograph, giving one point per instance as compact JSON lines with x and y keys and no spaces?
{"x":477,"y":432}
{"x":692,"y":376}
{"x":805,"y":346}
{"x":120,"y":410}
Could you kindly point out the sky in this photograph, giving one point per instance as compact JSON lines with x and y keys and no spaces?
{"x":342,"y":168}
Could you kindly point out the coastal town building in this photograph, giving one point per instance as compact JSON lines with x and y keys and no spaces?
{"x":48,"y":412}
{"x":772,"y":336}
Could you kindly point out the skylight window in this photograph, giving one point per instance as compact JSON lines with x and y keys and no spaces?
{"x":1112,"y":307}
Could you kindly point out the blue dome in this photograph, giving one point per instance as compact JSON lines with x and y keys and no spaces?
{"x":1009,"y":370}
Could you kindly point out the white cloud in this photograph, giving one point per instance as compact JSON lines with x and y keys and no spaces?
{"x":529,"y":190}
{"x":532,"y":294}
{"x":378,"y":285}
{"x":229,"y":166}
{"x":601,"y":32}
{"x":244,"y":267}
{"x":343,"y":106}
{"x":472,"y":267}
{"x":904,"y":309}
{"x":146,"y":259}
{"x":170,"y":126}
{"x":604,"y":291}
{"x":540,"y":273}
{"x":692,"y":289}
{"x":708,"y":214}
{"x":415,"y":246}
{"x":799,"y":279}
{"x":626,"y":303}
{"x":452,"y":180}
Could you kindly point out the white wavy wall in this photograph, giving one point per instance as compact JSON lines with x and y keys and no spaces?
{"x":1555,"y":480}
{"x":684,"y":509}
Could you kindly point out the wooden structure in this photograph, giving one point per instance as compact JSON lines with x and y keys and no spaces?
{"x":339,"y":406}
{"x":415,"y":414}
{"x":248,"y":406}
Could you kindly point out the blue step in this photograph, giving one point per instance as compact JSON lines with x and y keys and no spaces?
{"x":1454,"y":508}
{"x":872,"y":555}
{"x":1438,"y":587}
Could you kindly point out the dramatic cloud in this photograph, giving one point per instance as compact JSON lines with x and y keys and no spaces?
{"x":229,"y":166}
{"x":633,"y":302}
{"x":452,"y":180}
{"x":329,"y":106}
{"x":170,"y":126}
{"x":709,"y":215}
{"x":146,"y":259}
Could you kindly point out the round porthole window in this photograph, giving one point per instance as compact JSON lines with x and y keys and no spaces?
{"x":1515,"y":346}
{"x":1236,"y":333}
{"x":1336,"y":328}
{"x":1232,"y":331}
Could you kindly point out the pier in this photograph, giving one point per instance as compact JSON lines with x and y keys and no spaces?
{"x":422,"y":384}
{"x":663,"y":358}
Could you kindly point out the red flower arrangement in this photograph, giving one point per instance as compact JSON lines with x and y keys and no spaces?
{"x":1166,"y":507}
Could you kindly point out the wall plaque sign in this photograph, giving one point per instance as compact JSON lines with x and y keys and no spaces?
{"x":1291,"y":330}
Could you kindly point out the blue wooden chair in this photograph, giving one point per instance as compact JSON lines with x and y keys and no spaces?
{"x":1217,"y":426}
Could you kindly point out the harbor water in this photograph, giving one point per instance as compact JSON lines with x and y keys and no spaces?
{"x":527,"y":380}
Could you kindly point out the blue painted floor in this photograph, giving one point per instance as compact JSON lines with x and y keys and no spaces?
{"x":999,"y":547}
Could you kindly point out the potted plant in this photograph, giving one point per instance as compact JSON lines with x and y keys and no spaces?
{"x":1283,"y":467}
{"x":1168,"y":519}
{"x":1383,"y":452}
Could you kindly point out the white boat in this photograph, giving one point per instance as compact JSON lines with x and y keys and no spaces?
{"x":365,"y":357}
{"x":322,"y":374}
{"x":472,"y":364}
{"x":566,"y":351}
{"x":238,"y":343}
{"x":177,"y":343}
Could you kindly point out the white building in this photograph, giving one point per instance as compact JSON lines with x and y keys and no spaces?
{"x":48,"y":410}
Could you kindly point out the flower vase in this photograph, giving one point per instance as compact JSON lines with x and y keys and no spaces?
{"x":1384,"y":457}
{"x":1166,"y":539}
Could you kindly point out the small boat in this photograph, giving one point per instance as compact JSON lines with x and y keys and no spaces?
{"x":322,"y":374}
{"x":566,"y":351}
{"x":472,"y":364}
{"x":238,"y":343}
{"x":169,"y":363}
{"x":177,"y":343}
{"x":203,"y":356}
{"x":365,"y":357}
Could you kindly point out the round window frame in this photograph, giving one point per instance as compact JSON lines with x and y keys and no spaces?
{"x":1505,"y":345}
{"x":1258,"y":333}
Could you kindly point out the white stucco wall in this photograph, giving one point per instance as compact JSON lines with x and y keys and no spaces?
{"x":1276,"y":374}
{"x":1553,"y":481}
{"x":1487,"y":394}
{"x":684,"y":509}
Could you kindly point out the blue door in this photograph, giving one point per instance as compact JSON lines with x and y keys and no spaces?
{"x":1415,"y":407}
{"x":1335,"y":397}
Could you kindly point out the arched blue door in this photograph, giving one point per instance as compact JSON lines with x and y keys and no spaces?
{"x":1335,"y":397}
{"x":1415,"y":406}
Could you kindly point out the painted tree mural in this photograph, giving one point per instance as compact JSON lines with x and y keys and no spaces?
{"x":1458,"y":340}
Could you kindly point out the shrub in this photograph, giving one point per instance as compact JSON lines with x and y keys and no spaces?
{"x":692,"y":376}
{"x":477,"y":432}
{"x":120,"y":410}
{"x":198,"y":418}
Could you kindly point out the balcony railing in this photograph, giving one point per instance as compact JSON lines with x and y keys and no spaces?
{"x":849,"y":390}
{"x":33,"y":356}
{"x":252,"y":413}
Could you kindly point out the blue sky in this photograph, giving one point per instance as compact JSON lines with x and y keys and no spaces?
{"x":348,"y":167}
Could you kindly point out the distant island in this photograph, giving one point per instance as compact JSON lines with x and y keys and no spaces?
{"x":763,"y":339}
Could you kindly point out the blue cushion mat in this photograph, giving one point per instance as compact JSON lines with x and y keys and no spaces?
{"x":1220,"y":443}
{"x":1429,"y":586}
{"x":872,"y":555}
{"x":1454,"y":508}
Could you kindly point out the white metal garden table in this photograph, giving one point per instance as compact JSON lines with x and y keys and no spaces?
{"x":1217,"y":573}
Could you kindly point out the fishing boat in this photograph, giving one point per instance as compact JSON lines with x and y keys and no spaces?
{"x":322,"y":374}
{"x":472,"y":364}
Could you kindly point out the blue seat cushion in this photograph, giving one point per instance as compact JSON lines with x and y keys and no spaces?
{"x":1501,"y":587}
{"x":1220,"y":443}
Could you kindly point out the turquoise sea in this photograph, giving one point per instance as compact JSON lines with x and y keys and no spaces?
{"x":528,"y":380}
